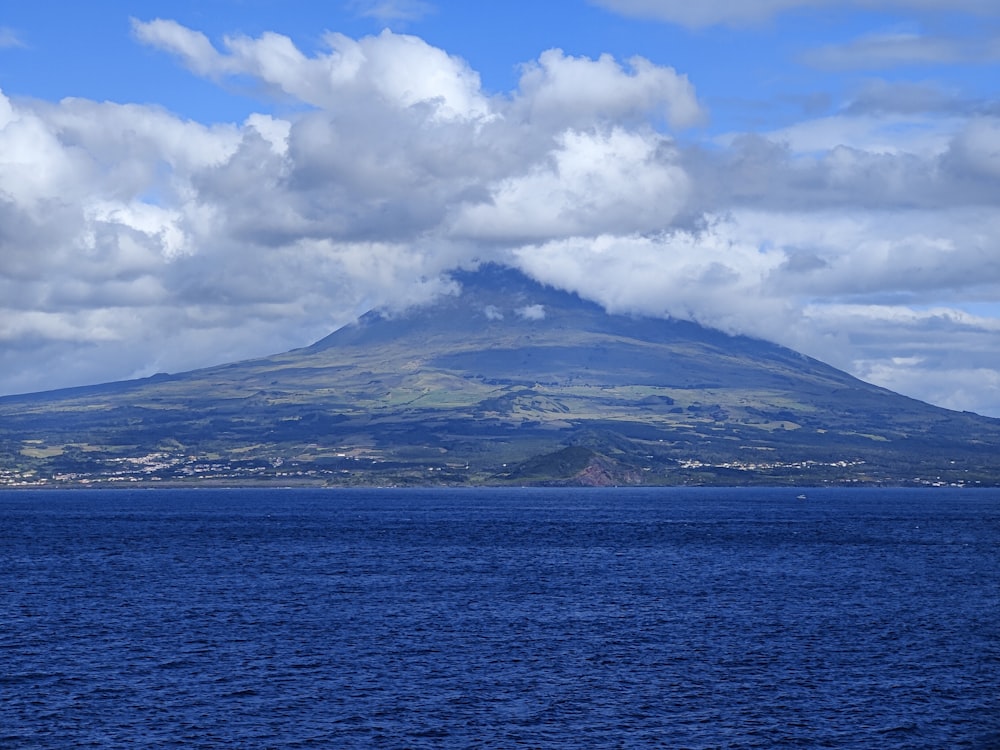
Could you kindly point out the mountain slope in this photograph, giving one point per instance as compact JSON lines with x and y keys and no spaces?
{"x":508,"y":381}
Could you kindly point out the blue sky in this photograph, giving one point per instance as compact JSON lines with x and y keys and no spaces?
{"x":750,"y":75}
{"x":186,"y":183}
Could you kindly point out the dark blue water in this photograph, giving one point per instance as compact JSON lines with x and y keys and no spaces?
{"x":495,"y":619}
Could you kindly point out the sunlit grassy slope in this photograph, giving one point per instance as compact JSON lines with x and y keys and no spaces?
{"x":508,"y":382}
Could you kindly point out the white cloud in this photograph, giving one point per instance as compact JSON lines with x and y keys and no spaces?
{"x":53,"y":326}
{"x":566,"y":91}
{"x":386,"y":11}
{"x":976,"y":149}
{"x":890,"y":49}
{"x":531,"y":312}
{"x":942,"y":355}
{"x":961,"y":388}
{"x":591,"y":182}
{"x":743,"y":12}
{"x":885,"y":162}
{"x":192,"y":47}
{"x":272,"y":130}
{"x":401,"y":70}
{"x":856,"y":238}
{"x":711,"y":276}
{"x":9,"y":38}
{"x":160,"y":227}
{"x":873,"y":134}
{"x":784,"y":277}
{"x":705,"y":13}
{"x":881,"y":97}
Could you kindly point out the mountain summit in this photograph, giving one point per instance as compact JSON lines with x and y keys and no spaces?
{"x":508,"y":381}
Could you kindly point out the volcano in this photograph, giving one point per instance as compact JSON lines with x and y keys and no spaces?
{"x":506,"y":382}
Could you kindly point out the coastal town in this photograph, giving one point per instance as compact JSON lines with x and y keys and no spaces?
{"x":356,"y":467}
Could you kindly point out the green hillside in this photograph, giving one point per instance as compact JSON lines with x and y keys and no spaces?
{"x":508,"y":382}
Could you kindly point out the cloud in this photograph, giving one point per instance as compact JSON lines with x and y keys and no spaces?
{"x":400,"y":70}
{"x":117,"y":220}
{"x":856,"y":237}
{"x":707,"y":13}
{"x":710,"y":276}
{"x":591,"y":182}
{"x":975,"y":151}
{"x":942,"y":355}
{"x":959,"y":388}
{"x":9,"y":38}
{"x":880,"y":97}
{"x":565,"y":90}
{"x":747,"y":12}
{"x":888,"y":133}
{"x":386,"y":11}
{"x":192,"y":47}
{"x":891,"y":49}
{"x":791,"y":279}
{"x":531,"y":312}
{"x":888,"y":162}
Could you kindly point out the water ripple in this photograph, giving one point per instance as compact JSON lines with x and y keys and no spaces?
{"x":695,"y":619}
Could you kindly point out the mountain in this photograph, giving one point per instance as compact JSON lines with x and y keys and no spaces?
{"x":508,"y":382}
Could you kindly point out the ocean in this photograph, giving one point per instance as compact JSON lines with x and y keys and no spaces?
{"x":500,"y":618}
